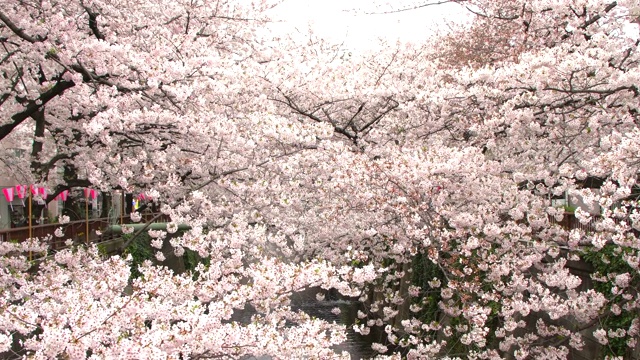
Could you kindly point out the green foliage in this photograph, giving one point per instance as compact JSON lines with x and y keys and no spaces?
{"x":102,"y":249}
{"x":140,"y":251}
{"x":192,"y":259}
{"x":607,"y":263}
{"x":424,"y":270}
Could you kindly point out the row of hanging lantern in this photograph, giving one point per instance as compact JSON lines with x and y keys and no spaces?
{"x":40,"y":193}
{"x":21,"y":192}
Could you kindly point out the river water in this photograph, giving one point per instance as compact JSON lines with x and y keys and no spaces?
{"x":358,"y":346}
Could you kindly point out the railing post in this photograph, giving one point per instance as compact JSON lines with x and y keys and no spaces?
{"x":122,"y":208}
{"x":30,"y":228}
{"x":86,"y":209}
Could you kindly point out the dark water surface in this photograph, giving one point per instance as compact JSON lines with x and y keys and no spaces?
{"x":358,"y":346}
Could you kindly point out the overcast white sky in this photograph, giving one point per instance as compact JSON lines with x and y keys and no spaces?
{"x":348,"y":21}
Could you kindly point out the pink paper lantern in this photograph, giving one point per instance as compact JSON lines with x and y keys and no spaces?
{"x":90,"y":193}
{"x":64,"y":195}
{"x":143,"y":197}
{"x":8,"y":194}
{"x":43,"y":191}
{"x":21,"y":191}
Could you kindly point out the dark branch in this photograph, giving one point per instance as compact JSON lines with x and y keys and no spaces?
{"x":93,"y":23}
{"x":415,"y":7}
{"x":34,"y":106}
{"x":598,"y":17}
{"x":16,"y":30}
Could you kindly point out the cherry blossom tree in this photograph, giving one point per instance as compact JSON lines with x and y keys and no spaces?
{"x":463,"y":170}
{"x":101,"y":75}
{"x":154,"y":97}
{"x":419,"y":179}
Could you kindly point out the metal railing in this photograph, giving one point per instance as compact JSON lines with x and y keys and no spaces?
{"x":74,"y":230}
{"x":570,"y":222}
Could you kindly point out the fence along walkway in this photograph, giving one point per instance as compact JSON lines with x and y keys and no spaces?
{"x":74,"y":230}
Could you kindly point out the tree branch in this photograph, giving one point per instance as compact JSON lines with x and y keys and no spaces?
{"x":16,"y":30}
{"x":93,"y":23}
{"x":415,"y":7}
{"x":598,"y":17}
{"x":34,"y":106}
